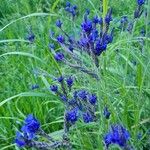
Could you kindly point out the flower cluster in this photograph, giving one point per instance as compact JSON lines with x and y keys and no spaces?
{"x":79,"y":103}
{"x":29,"y":130}
{"x":117,"y":135}
{"x":93,"y":37}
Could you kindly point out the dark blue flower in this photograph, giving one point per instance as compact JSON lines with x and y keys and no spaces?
{"x":99,"y":47}
{"x":106,"y":113}
{"x":95,"y":19}
{"x":31,"y":125}
{"x":69,"y":81}
{"x":87,"y":26}
{"x":108,"y":17}
{"x":72,"y":116}
{"x":140,"y":2}
{"x":54,"y":88}
{"x":60,"y":79}
{"x":82,"y":94}
{"x":117,"y":135}
{"x":72,"y":9}
{"x":64,"y":98}
{"x":92,"y":99}
{"x":59,"y":56}
{"x":59,"y":23}
{"x":87,"y":117}
{"x":31,"y":37}
{"x":61,"y":39}
{"x":70,"y":48}
{"x":68,"y":4}
{"x":35,"y":86}
{"x":19,"y":140}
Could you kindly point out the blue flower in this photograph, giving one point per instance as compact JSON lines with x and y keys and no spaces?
{"x":117,"y":135}
{"x":69,"y":81}
{"x":19,"y":140}
{"x":92,"y":99}
{"x":60,"y":79}
{"x":59,"y":56}
{"x":87,"y":26}
{"x":72,"y":116}
{"x":70,"y":48}
{"x":99,"y":48}
{"x":82,"y":94}
{"x":31,"y":37}
{"x":59,"y":23}
{"x":29,"y":130}
{"x":63,"y":97}
{"x":95,"y":19}
{"x":140,"y":2}
{"x":72,"y":9}
{"x":31,"y":125}
{"x":108,"y":17}
{"x":35,"y":86}
{"x":106,"y":113}
{"x":61,"y":39}
{"x":54,"y":88}
{"x":87,"y":117}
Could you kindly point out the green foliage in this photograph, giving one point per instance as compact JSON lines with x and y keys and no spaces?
{"x":124,"y":87}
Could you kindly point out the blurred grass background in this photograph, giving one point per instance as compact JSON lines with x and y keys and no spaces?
{"x":124,"y":87}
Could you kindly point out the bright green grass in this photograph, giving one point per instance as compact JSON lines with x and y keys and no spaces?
{"x":125,"y":88}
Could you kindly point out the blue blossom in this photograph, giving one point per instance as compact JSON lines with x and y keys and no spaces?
{"x":140,"y":2}
{"x":106,"y":113}
{"x":59,"y":23}
{"x":31,"y":125}
{"x":72,"y":116}
{"x":100,"y":47}
{"x":108,"y":17}
{"x":117,"y":135}
{"x":95,"y":19}
{"x":64,"y":98}
{"x":35,"y":86}
{"x":31,"y":36}
{"x":92,"y":99}
{"x":54,"y":88}
{"x":82,"y":94}
{"x":87,"y":26}
{"x":71,"y":48}
{"x":29,"y":129}
{"x":87,"y":117}
{"x":59,"y":56}
{"x":19,"y":140}
{"x":69,"y":81}
{"x":61,"y":39}
{"x":60,"y":79}
{"x":72,"y":9}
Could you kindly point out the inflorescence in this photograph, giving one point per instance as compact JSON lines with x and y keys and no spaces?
{"x":117,"y":135}
{"x":79,"y":103}
{"x":93,"y":39}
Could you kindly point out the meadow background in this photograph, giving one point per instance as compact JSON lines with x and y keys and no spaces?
{"x":124,"y":86}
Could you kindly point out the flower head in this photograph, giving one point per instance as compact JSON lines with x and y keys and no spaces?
{"x":69,"y":81}
{"x":82,"y":94}
{"x":140,"y":2}
{"x":72,"y":116}
{"x":59,"y":56}
{"x":61,"y":39}
{"x":92,"y":99}
{"x":29,"y":130}
{"x":87,"y":117}
{"x":54,"y":88}
{"x":117,"y":135}
{"x":59,"y":23}
{"x":87,"y":26}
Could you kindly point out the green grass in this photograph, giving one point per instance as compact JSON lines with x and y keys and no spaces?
{"x":123,"y":86}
